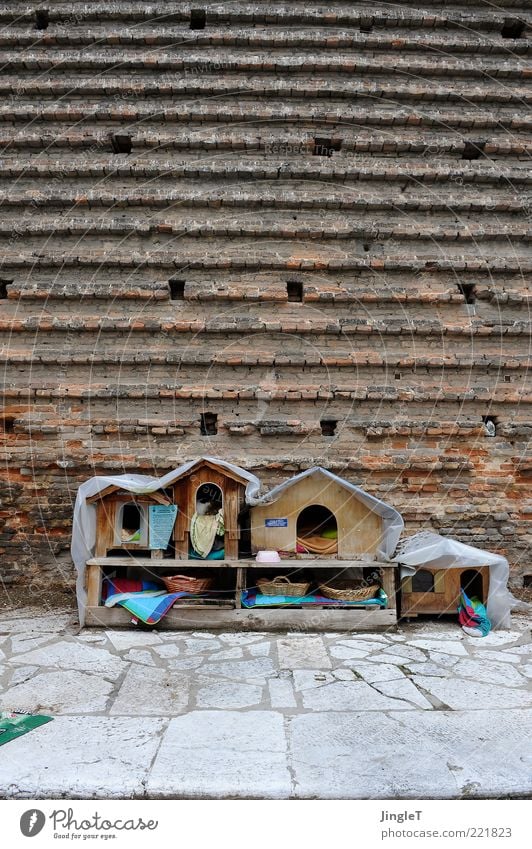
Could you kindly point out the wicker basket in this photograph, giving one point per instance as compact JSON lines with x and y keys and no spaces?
{"x":187,"y":584}
{"x":339,"y":593}
{"x":281,"y":585}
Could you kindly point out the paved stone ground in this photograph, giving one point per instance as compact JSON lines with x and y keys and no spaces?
{"x":424,"y":711}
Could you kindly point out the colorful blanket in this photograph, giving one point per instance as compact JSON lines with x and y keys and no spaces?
{"x":472,"y":614}
{"x":111,"y":586}
{"x":145,"y":600}
{"x":14,"y":724}
{"x":250,"y":598}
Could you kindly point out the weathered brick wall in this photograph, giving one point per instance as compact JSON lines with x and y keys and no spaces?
{"x":385,"y":287}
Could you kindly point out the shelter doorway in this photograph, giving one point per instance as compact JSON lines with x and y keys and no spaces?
{"x":473,"y":585}
{"x":207,"y":531}
{"x":317,"y":531}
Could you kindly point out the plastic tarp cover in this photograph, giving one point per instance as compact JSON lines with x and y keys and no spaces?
{"x":429,"y":549}
{"x":392,"y":520}
{"x":84,"y":520}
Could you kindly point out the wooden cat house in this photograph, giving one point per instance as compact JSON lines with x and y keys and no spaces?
{"x":222,"y":488}
{"x":433,"y":590}
{"x":318,"y":514}
{"x":123,"y":520}
{"x":435,"y":568}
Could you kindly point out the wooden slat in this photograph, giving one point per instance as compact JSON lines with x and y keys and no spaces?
{"x":171,"y":563}
{"x":279,"y":619}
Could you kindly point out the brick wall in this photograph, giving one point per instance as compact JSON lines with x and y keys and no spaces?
{"x":225,"y":265}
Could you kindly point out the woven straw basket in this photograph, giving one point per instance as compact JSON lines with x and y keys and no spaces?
{"x":349,"y":593}
{"x":187,"y":584}
{"x":281,"y":585}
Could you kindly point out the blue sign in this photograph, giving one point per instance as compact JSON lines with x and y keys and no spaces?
{"x":276,"y":523}
{"x":162,"y":519}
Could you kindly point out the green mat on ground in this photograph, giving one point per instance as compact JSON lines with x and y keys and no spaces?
{"x":14,"y":724}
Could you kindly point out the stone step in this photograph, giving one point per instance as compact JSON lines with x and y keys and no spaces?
{"x":471,"y":5}
{"x":285,"y":195}
{"x":268,"y":141}
{"x":247,"y":249}
{"x":311,"y":87}
{"x":246,"y":62}
{"x":234,"y":324}
{"x":61,"y":231}
{"x":341,"y":167}
{"x":502,"y":394}
{"x":492,"y":265}
{"x":315,"y":350}
{"x":238,"y":358}
{"x":268,"y":461}
{"x":339,"y":14}
{"x":342,"y":384}
{"x":491,"y":308}
{"x":441,"y":294}
{"x":466,"y":427}
{"x":388,"y":38}
{"x":294,"y":113}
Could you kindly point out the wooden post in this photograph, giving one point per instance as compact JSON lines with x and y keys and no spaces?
{"x":388,"y":585}
{"x":94,"y":586}
{"x":240,"y":585}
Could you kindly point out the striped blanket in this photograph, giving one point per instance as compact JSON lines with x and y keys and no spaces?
{"x":145,"y":600}
{"x":250,"y":598}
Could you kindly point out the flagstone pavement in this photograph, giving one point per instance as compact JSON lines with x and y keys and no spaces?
{"x":423,"y":711}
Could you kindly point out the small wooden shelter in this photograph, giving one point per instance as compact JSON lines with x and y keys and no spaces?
{"x":223,"y":486}
{"x":317,"y":512}
{"x":122,"y":519}
{"x":434,"y":590}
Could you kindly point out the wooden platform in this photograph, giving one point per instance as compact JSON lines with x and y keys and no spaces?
{"x":272,"y":619}
{"x":228,"y":614}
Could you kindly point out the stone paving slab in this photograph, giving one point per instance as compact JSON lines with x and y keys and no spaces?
{"x":223,"y":754}
{"x":423,"y":710}
{"x":97,"y":757}
{"x":439,"y":755}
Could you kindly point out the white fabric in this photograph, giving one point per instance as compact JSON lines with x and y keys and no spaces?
{"x":84,"y":521}
{"x":392,"y":520}
{"x":428,"y":549}
{"x":203,"y":531}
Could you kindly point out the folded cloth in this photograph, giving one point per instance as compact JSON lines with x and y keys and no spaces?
{"x":473,"y":616}
{"x":149,"y":607}
{"x":316,"y":544}
{"x":250,"y":598}
{"x":203,"y":530}
{"x":149,"y":603}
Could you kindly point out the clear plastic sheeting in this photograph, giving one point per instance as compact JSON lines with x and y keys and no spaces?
{"x":392,"y":520}
{"x":428,"y":549}
{"x":84,"y":521}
